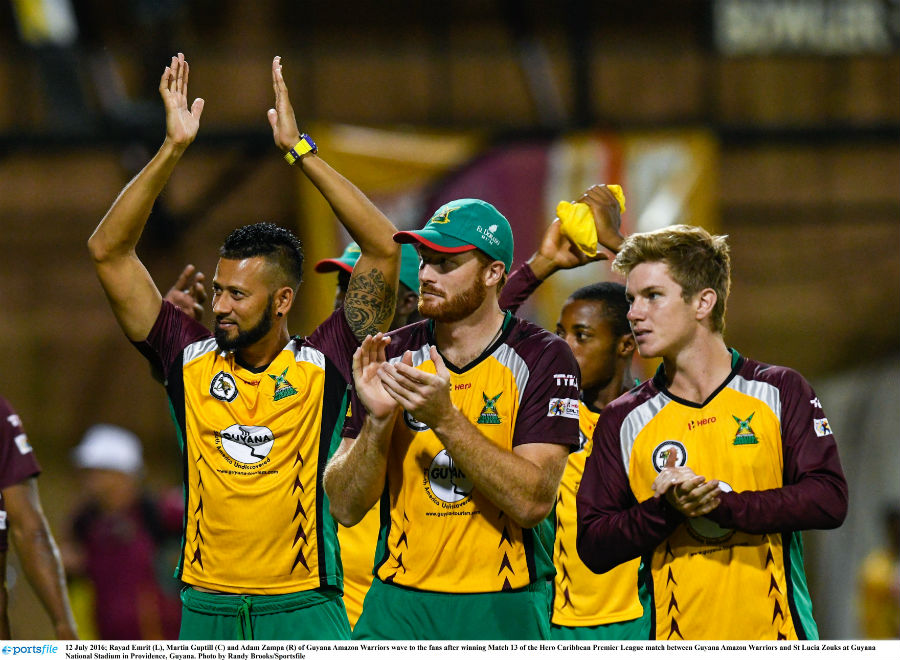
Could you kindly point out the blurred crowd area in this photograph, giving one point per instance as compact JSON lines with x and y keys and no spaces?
{"x":780,"y":129}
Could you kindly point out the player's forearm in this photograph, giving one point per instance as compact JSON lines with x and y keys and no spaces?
{"x":43,"y":568}
{"x":521,"y":284}
{"x":118,"y":233}
{"x":517,"y":486}
{"x":354,"y":478}
{"x":368,"y":226}
{"x":608,"y":538}
{"x":816,"y":502}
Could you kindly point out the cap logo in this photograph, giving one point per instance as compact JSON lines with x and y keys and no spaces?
{"x":492,"y":229}
{"x":443,"y":217}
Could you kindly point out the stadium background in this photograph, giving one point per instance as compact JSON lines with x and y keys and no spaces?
{"x":775,"y":122}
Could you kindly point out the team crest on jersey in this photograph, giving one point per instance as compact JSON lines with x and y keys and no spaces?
{"x":662,"y":451}
{"x":744,"y":435}
{"x":563,"y":408}
{"x":223,"y":387}
{"x":413,"y":423}
{"x":283,"y":388}
{"x":489,"y":412}
{"x":246,"y":444}
{"x":445,"y":481}
{"x":22,"y":444}
{"x":822,"y":427}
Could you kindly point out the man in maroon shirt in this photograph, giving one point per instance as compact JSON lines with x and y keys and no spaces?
{"x":21,"y":514}
{"x":709,"y":470}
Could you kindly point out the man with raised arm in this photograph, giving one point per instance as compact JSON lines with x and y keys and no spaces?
{"x":254,"y":407}
{"x":710,"y":470}
{"x":461,"y":424}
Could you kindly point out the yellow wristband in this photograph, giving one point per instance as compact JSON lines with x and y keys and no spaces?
{"x":305,"y":146}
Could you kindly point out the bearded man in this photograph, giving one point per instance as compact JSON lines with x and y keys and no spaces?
{"x":461,"y":424}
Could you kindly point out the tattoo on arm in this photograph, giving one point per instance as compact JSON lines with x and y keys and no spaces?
{"x":369,"y":304}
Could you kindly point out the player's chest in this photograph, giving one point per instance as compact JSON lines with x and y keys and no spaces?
{"x":736,"y":440}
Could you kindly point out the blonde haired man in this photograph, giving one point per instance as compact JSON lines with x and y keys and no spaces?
{"x":709,"y":470}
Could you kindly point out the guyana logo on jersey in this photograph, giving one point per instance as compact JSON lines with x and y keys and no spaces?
{"x":283,"y":388}
{"x":489,"y":412}
{"x":745,"y":434}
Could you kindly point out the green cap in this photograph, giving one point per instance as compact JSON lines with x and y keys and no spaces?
{"x":466,"y":224}
{"x":409,"y":264}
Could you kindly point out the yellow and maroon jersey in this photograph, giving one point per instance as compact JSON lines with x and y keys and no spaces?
{"x":17,"y":461}
{"x":736,"y":573}
{"x":439,"y":533}
{"x":580,"y":596}
{"x":254,"y":445}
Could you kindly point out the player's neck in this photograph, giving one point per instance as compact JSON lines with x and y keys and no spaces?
{"x":599,"y":395}
{"x":261,"y":354}
{"x":463,"y":341}
{"x":698,"y":369}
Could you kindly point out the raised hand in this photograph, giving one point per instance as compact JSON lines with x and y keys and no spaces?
{"x":423,"y":395}
{"x":281,"y":117}
{"x":367,"y":360}
{"x":607,"y":215}
{"x":189,"y":293}
{"x":559,"y":252}
{"x":182,"y":123}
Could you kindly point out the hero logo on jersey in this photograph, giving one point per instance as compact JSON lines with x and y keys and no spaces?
{"x":563,"y":408}
{"x":446,"y":481}
{"x":223,"y":387}
{"x":662,"y":451}
{"x":247,"y":444}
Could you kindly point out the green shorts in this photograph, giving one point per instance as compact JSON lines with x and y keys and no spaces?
{"x":392,"y":612}
{"x":635,"y":629}
{"x":317,"y":614}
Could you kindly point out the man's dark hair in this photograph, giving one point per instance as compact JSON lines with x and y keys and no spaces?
{"x":265,"y":239}
{"x":615,"y":306}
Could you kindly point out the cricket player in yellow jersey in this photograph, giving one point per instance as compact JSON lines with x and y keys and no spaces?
{"x":461,"y":424}
{"x":710,"y":470}
{"x":593,"y":322}
{"x":255,"y":409}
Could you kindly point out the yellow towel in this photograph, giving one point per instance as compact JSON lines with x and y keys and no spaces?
{"x":578,"y":221}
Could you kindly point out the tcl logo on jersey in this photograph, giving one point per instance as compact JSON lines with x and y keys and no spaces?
{"x":696,"y":423}
{"x":246,"y":444}
{"x":566,"y":379}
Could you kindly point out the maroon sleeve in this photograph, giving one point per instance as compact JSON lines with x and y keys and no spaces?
{"x":17,"y":461}
{"x":814,"y":494}
{"x":521,"y":284}
{"x":548,"y":409}
{"x":613,"y":527}
{"x":336,"y":340}
{"x":172,"y":331}
{"x":356,"y":415}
